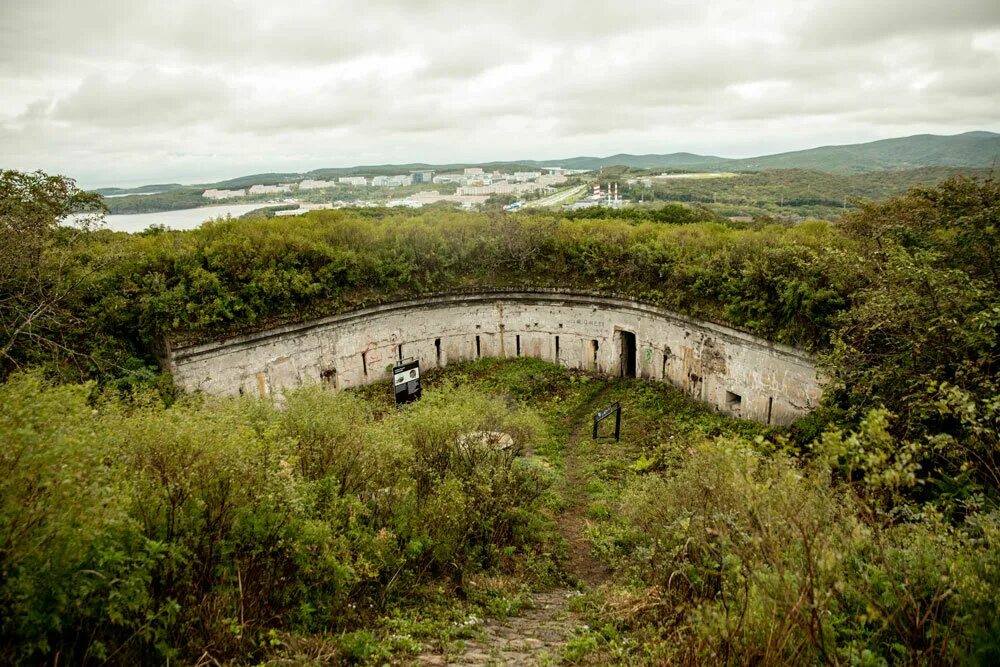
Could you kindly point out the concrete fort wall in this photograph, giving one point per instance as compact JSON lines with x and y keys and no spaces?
{"x":735,"y":372}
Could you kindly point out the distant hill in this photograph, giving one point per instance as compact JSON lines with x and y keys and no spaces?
{"x":971,"y":149}
{"x":141,"y":190}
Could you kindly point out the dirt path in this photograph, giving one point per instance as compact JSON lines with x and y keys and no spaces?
{"x":587,"y":569}
{"x":539,"y":634}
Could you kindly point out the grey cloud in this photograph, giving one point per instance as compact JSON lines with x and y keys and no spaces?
{"x":863,"y":21}
{"x":186,"y":82}
{"x":49,"y":32}
{"x":146,"y":98}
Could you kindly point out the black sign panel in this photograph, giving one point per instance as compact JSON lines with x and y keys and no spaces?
{"x":406,"y":381}
{"x":613,"y":409}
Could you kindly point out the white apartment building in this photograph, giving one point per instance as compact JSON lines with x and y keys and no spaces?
{"x":222,"y":194}
{"x":391,"y":181}
{"x":359,"y":181}
{"x":500,"y":188}
{"x":268,"y":189}
{"x":315,"y":185}
{"x":550,"y":179}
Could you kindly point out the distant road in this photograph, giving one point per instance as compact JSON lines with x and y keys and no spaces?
{"x":556,"y":198}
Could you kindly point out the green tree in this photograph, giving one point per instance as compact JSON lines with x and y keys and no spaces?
{"x":36,"y":277}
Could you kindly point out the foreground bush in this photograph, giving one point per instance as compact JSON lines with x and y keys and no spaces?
{"x":746,"y":559}
{"x":140,"y":533}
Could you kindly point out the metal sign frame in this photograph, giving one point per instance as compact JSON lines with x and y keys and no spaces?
{"x":406,"y":381}
{"x":613,"y":409}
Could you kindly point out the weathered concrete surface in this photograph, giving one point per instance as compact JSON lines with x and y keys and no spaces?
{"x":537,"y":636}
{"x":733,"y":371}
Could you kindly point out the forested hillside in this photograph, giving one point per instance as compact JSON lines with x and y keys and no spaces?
{"x":789,"y":192}
{"x":140,"y":525}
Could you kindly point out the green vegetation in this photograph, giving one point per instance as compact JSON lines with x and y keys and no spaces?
{"x":134,"y":532}
{"x":173,"y":200}
{"x":235,"y":275}
{"x":138,"y":524}
{"x":785,"y":192}
{"x":266,"y":212}
{"x":142,"y":189}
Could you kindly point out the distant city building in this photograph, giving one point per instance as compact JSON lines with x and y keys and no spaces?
{"x":421,"y":176}
{"x":222,"y":194}
{"x":473,"y":171}
{"x":359,"y":181}
{"x":391,"y":181}
{"x":315,"y":185}
{"x":524,"y":176}
{"x":268,"y":189}
{"x":499,"y":188}
{"x":448,"y":178}
{"x":550,"y":179}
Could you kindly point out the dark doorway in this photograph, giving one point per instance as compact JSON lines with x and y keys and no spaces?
{"x":628,"y":354}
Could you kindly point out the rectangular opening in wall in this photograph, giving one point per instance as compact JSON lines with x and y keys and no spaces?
{"x":399,"y":352}
{"x":517,"y":342}
{"x":479,"y":348}
{"x":733,"y":401}
{"x":627,"y":360}
{"x":770,"y":406}
{"x":364,"y":363}
{"x":594,"y":346}
{"x":437,"y":350}
{"x":557,"y":349}
{"x":329,"y":377}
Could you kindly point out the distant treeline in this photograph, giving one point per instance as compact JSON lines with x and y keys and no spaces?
{"x":798,"y":191}
{"x":155,"y":203}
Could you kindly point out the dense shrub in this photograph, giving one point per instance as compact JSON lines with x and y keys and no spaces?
{"x":235,"y":275}
{"x":132,"y":532}
{"x":755,"y":560}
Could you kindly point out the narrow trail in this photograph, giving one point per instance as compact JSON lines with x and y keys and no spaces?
{"x":587,"y":569}
{"x":539,"y":634}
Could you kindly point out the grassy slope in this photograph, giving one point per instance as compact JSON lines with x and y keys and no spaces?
{"x":658,"y":424}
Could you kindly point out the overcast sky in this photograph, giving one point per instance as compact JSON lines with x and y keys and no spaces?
{"x":130,"y":92}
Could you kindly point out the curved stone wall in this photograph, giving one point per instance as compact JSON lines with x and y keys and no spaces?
{"x":735,"y":372}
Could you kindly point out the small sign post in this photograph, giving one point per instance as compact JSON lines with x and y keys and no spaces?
{"x":406,"y":381}
{"x":613,"y":409}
